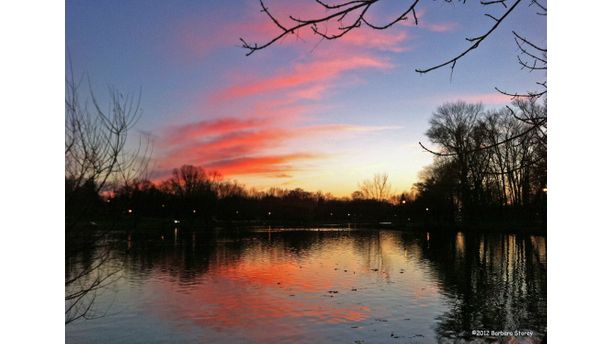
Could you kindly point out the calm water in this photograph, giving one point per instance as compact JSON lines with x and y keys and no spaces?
{"x":319,"y":286}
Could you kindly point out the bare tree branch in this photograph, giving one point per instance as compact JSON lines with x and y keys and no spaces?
{"x":357,"y":7}
{"x":501,"y":2}
{"x":476,"y":42}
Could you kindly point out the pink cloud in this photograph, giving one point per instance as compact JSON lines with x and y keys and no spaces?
{"x":200,"y":129}
{"x":424,"y":23}
{"x":492,"y":98}
{"x":440,"y":27}
{"x":310,"y":92}
{"x":388,"y":40}
{"x":199,"y":38}
{"x":303,"y":74}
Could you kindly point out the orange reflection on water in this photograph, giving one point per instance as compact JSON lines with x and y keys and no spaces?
{"x":267,"y":289}
{"x":272,"y":286}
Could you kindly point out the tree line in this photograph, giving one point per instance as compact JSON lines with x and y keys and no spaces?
{"x":489,"y":163}
{"x":194,"y":194}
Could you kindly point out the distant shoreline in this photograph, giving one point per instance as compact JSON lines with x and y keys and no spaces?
{"x":148,"y":223}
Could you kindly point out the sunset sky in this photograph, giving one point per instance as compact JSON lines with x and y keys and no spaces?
{"x":320,"y":115}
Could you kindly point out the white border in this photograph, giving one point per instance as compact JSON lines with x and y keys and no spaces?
{"x":31,"y":141}
{"x":579,"y":172}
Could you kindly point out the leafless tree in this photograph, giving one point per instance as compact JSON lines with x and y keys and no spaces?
{"x":516,"y":166}
{"x":188,"y":180}
{"x":96,"y":140}
{"x":452,"y":128}
{"x":225,"y":189}
{"x":96,"y":155}
{"x":377,"y":188}
{"x":509,"y":172}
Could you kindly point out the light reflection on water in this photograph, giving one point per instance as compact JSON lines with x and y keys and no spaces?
{"x":319,"y":286}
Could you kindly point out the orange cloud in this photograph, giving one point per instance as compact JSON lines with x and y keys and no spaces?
{"x":278,"y":164}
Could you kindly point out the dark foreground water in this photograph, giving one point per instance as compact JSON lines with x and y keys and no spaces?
{"x":320,"y":286}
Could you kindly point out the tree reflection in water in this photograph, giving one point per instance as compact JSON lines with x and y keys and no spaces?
{"x":493,"y":282}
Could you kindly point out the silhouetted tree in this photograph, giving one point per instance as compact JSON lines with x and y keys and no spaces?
{"x":510,"y":173}
{"x":193,"y":188}
{"x":96,"y":150}
{"x":96,"y":154}
{"x":453,"y":127}
{"x":377,"y":188}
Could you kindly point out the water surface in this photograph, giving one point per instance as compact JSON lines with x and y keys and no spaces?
{"x":318,"y":286}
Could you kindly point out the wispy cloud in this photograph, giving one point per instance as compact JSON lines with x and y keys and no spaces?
{"x":490,"y":98}
{"x":277,"y":165}
{"x":440,"y":26}
{"x":319,"y":71}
